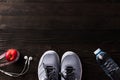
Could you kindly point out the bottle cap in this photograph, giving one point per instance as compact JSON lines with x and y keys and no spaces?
{"x":97,"y":51}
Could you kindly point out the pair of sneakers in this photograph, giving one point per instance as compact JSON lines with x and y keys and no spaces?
{"x":50,"y":68}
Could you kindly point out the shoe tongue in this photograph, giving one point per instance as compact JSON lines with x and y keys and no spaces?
{"x":49,"y":69}
{"x":70,"y":73}
{"x":69,"y":69}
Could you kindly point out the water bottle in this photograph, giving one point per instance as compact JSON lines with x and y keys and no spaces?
{"x":107,"y":64}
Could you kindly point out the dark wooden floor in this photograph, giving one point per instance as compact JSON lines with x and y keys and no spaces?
{"x":34,"y":26}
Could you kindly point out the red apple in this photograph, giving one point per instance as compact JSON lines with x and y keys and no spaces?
{"x":11,"y":54}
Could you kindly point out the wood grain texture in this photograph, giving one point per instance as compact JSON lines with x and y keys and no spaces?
{"x":83,"y":1}
{"x":65,"y":22}
{"x":35,"y":26}
{"x":97,"y":16}
{"x":60,"y":9}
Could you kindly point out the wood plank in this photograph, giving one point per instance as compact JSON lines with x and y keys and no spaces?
{"x":83,"y":1}
{"x":34,"y":36}
{"x":60,"y":22}
{"x":59,"y":9}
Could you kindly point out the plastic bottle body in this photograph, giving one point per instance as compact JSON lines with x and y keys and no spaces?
{"x":108,"y":65}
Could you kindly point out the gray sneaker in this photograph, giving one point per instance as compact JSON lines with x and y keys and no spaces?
{"x":48,"y":68}
{"x":71,"y":67}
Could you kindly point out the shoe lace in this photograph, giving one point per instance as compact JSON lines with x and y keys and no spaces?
{"x":69,"y":74}
{"x":50,"y":73}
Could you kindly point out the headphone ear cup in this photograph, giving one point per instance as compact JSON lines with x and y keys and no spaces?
{"x":25,"y":57}
{"x":30,"y":58}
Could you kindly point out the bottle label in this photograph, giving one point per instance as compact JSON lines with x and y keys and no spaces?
{"x":110,"y":66}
